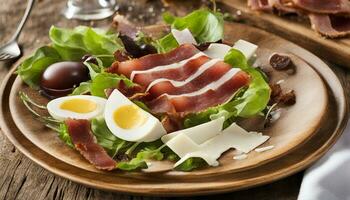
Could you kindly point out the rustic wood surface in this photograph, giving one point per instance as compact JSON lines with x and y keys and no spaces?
{"x":20,"y":178}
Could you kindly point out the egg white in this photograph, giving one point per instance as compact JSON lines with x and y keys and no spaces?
{"x":60,"y":114}
{"x":151,"y":130}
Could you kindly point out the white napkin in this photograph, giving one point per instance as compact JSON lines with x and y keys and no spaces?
{"x":329,"y":178}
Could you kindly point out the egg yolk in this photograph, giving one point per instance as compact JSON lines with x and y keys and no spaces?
{"x":79,"y":105}
{"x":128,"y":116}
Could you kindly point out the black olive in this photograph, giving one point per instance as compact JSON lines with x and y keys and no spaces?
{"x":60,"y":78}
{"x":135,"y":50}
{"x":280,"y":62}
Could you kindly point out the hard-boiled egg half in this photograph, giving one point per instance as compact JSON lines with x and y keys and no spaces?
{"x":76,"y":107}
{"x":129,"y":122}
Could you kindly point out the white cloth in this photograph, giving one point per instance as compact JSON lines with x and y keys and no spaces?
{"x":329,"y":178}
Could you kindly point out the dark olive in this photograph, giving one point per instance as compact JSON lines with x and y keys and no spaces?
{"x":280,"y":62}
{"x":136,"y":50}
{"x":60,"y":78}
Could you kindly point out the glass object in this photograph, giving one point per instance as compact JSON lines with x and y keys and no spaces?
{"x":89,"y":9}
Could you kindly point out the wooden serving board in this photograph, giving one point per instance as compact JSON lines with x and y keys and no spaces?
{"x":334,"y":50}
{"x":292,"y":152}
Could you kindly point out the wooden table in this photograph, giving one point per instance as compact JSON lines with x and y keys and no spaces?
{"x":20,"y":178}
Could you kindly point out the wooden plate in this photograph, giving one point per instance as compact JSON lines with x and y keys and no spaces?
{"x":292,"y":154}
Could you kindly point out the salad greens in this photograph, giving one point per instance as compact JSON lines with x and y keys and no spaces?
{"x":105,"y":80}
{"x":246,"y":102}
{"x":64,"y":135}
{"x":107,"y":140}
{"x":31,"y":69}
{"x":71,"y":45}
{"x":204,"y":24}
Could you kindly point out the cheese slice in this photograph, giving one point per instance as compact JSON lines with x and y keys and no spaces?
{"x":200,"y":133}
{"x":217,"y":50}
{"x":182,"y":145}
{"x":182,"y":142}
{"x":183,"y":37}
{"x":247,"y":48}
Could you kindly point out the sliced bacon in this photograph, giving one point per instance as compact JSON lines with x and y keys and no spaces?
{"x":177,"y":74}
{"x":210,"y":75}
{"x":330,"y":25}
{"x":324,"y":6}
{"x":191,"y":104}
{"x":84,"y":141}
{"x":172,"y":123}
{"x":183,"y":52}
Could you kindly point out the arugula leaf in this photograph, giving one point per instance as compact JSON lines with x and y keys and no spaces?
{"x":31,"y":68}
{"x":112,"y":144}
{"x":64,"y":135}
{"x":205,"y":26}
{"x":106,"y":80}
{"x":246,"y":102}
{"x":72,"y":44}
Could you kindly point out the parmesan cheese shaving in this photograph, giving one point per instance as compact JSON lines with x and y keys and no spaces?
{"x":182,"y":142}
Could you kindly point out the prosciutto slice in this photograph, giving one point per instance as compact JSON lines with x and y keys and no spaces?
{"x":193,"y":83}
{"x":183,"y":52}
{"x":84,"y":142}
{"x":200,"y":100}
{"x":181,"y":84}
{"x":179,"y":73}
{"x":324,"y":6}
{"x":330,"y":25}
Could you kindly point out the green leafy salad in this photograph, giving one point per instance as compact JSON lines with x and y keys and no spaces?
{"x":93,"y":51}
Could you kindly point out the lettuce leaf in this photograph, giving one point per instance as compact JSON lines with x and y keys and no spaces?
{"x":191,"y":164}
{"x":257,"y":96}
{"x":112,"y":144}
{"x":83,"y":88}
{"x":204,"y":24}
{"x":106,"y":80}
{"x":30,"y":69}
{"x":72,"y":44}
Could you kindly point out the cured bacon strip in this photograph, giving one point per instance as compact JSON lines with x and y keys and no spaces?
{"x":84,"y":142}
{"x":324,"y":6}
{"x":178,"y":74}
{"x":190,"y":103}
{"x":183,"y":52}
{"x":212,"y":74}
{"x":330,"y":26}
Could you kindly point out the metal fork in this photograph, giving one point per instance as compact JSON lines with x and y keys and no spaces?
{"x":11,"y":49}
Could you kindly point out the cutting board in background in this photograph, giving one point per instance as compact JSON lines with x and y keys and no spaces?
{"x":333,"y":50}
